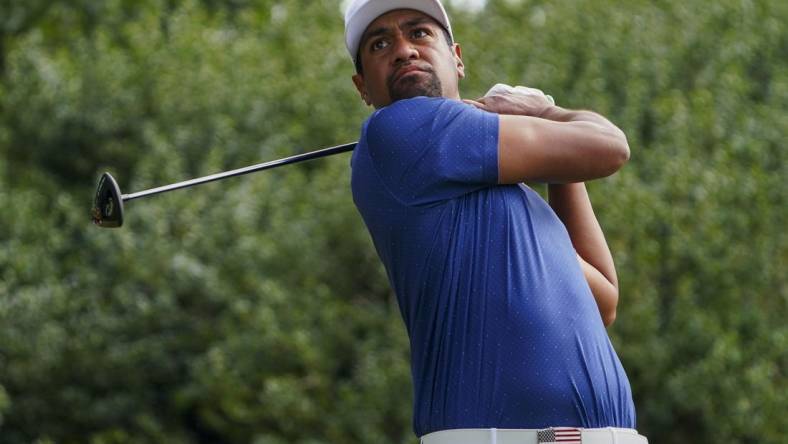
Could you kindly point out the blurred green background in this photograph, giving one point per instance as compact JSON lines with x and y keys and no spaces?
{"x":256,"y":311}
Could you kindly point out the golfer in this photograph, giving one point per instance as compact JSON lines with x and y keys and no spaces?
{"x":505,"y":297}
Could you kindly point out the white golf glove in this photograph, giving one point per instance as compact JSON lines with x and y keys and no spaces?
{"x":502,"y":89}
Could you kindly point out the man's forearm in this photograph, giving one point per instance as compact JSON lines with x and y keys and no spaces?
{"x":559,"y":114}
{"x":592,"y":119}
{"x":573,"y":206}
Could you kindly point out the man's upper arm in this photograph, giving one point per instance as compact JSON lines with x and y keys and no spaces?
{"x":541,"y":150}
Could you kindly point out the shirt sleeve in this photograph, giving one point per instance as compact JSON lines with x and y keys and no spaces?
{"x":427,"y":150}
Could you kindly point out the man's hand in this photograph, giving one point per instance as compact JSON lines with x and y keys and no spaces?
{"x":516,"y":105}
{"x":520,"y":100}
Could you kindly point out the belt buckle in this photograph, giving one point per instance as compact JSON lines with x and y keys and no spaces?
{"x":560,"y":435}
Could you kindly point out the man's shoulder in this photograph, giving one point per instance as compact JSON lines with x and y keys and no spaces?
{"x":413,"y":104}
{"x":412,"y":116}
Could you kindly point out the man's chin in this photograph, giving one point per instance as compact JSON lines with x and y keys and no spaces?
{"x":409,"y":93}
{"x":408,"y":89}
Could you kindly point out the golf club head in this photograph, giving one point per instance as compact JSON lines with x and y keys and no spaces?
{"x":108,"y":203}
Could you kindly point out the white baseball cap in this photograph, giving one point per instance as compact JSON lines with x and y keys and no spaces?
{"x":361,"y":13}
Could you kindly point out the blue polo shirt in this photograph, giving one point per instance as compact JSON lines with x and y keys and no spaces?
{"x":504,"y":331}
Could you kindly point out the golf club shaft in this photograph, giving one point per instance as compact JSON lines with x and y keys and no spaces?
{"x":241,"y":171}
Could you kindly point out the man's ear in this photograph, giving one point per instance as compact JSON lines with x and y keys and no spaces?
{"x":458,"y":60}
{"x":358,"y":80}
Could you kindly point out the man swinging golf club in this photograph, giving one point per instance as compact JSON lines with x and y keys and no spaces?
{"x":505,"y":297}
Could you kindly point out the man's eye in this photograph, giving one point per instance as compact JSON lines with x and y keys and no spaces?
{"x":419,"y":33}
{"x":379,"y":44}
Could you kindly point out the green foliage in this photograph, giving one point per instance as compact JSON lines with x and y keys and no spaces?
{"x":257,"y":311}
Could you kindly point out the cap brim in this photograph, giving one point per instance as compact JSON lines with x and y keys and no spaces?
{"x":360,"y":20}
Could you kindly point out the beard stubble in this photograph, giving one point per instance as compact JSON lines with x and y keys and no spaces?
{"x":428,"y":85}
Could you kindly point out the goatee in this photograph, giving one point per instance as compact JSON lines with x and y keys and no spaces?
{"x":424,"y":84}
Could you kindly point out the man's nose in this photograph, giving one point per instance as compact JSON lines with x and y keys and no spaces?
{"x":404,"y":50}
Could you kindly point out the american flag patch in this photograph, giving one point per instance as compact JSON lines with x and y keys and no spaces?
{"x":559,"y":435}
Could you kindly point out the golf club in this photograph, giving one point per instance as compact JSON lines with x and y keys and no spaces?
{"x":108,"y":202}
